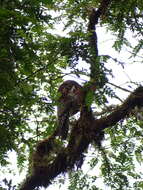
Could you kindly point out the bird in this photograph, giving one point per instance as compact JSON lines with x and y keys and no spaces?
{"x":69,"y":102}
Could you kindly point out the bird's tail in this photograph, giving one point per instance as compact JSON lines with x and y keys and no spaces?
{"x":63,"y":126}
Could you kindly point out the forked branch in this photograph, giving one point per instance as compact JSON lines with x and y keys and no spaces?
{"x":87,"y":128}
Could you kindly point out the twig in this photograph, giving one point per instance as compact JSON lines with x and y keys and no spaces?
{"x":121,"y":88}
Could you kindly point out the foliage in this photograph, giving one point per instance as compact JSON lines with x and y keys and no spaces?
{"x":35,"y":58}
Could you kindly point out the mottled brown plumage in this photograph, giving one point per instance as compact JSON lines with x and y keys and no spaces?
{"x":68,"y":104}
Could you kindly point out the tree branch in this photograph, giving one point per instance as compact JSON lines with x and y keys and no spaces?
{"x":50,"y":160}
{"x":121,"y":88}
{"x":95,"y":67}
{"x":134,"y":99}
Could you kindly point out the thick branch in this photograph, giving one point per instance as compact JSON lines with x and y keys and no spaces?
{"x":134,"y":99}
{"x":83,"y":133}
{"x":94,"y":16}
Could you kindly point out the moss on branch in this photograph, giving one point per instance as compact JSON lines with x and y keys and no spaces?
{"x":82,"y":134}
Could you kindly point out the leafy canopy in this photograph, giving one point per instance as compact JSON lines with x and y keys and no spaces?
{"x":43,"y":41}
